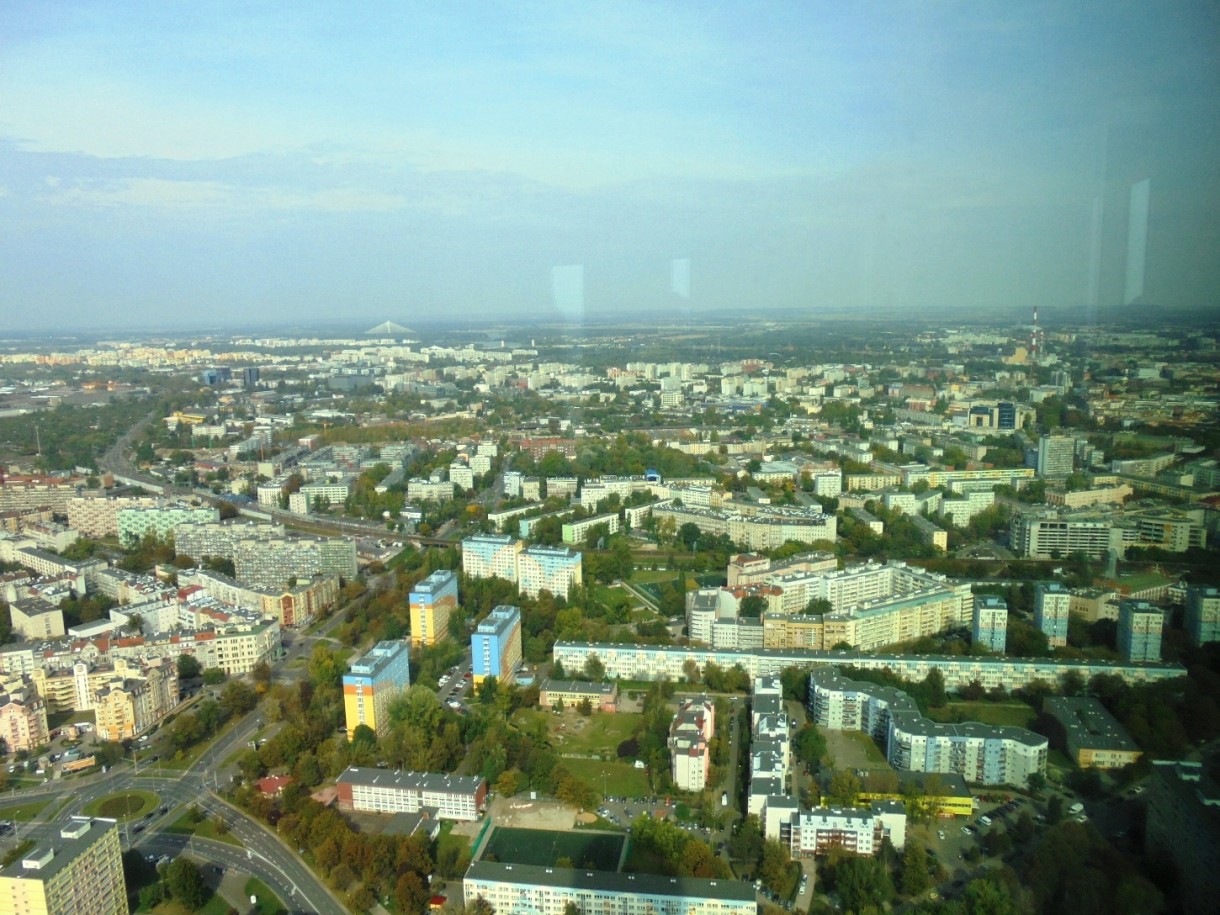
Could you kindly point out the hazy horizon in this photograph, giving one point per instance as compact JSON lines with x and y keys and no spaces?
{"x":234,"y":165}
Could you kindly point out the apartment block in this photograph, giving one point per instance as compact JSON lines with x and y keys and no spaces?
{"x":79,"y":870}
{"x":979,"y":753}
{"x":432,"y":601}
{"x":521,"y":888}
{"x":491,"y":555}
{"x":541,"y":568}
{"x":372,"y":683}
{"x":451,"y":797}
{"x":137,"y":522}
{"x":35,"y":619}
{"x":265,"y":556}
{"x":1093,"y":736}
{"x":652,"y":662}
{"x":1182,"y":831}
{"x":990,"y":623}
{"x":495,"y":645}
{"x":1052,"y":609}
{"x":1203,"y":614}
{"x":1056,"y":456}
{"x":690,"y":736}
{"x":126,"y":707}
{"x":856,"y":830}
{"x":23,"y":717}
{"x":574,"y":531}
{"x":292,"y":607}
{"x":1050,"y":536}
{"x":1139,"y":630}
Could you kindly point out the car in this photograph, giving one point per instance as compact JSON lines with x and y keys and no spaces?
{"x":1139,"y":789}
{"x":965,"y":830}
{"x":1082,"y":818}
{"x":940,"y":834}
{"x":139,"y":827}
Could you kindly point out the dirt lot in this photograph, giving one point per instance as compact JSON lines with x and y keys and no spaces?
{"x":521,"y":811}
{"x":853,"y":750}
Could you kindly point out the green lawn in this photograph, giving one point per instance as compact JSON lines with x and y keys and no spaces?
{"x":214,"y":906}
{"x":1142,"y":580}
{"x":614,"y":779}
{"x":128,"y":805}
{"x":205,"y":829}
{"x":268,"y":903}
{"x":24,"y":812}
{"x":451,"y":846}
{"x":1016,"y":714}
{"x":600,"y":733}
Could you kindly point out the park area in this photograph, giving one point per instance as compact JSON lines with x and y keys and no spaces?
{"x":588,"y":747}
{"x":544,"y":848}
{"x":597,"y":735}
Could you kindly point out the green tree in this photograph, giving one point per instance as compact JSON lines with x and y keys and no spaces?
{"x":186,"y":883}
{"x":810,"y":746}
{"x":752,"y":606}
{"x":188,"y":667}
{"x":773,"y":867}
{"x":915,"y":879}
{"x":863,"y":884}
{"x":844,"y":788}
{"x":594,"y":668}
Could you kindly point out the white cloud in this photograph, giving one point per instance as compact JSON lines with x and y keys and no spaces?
{"x":214,"y":195}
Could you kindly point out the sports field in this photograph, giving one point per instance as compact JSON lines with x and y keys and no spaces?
{"x":543,"y":847}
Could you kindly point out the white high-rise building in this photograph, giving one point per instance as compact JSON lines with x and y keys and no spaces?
{"x":1052,"y":603}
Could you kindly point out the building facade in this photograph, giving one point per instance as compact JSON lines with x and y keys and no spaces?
{"x":979,"y":753}
{"x":652,"y":662}
{"x":520,"y":889}
{"x":1139,"y":630}
{"x":495,"y":645}
{"x":79,"y":871}
{"x":453,"y":797}
{"x":990,"y":624}
{"x":1203,"y":614}
{"x":372,"y":683}
{"x":602,"y":696}
{"x":1052,"y":609}
{"x":491,"y":555}
{"x":690,"y":737}
{"x":541,"y":568}
{"x":432,"y":602}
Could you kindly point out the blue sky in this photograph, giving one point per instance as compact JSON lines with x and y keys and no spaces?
{"x":206,"y":163}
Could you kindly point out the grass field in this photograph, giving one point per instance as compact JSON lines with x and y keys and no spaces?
{"x":1141,"y":580}
{"x":214,"y":906}
{"x":570,"y":732}
{"x":543,"y":847}
{"x":205,"y":829}
{"x":853,"y":750}
{"x":125,"y":806}
{"x":268,"y":903}
{"x":1016,"y":714}
{"x":24,"y":812}
{"x":611,"y":779}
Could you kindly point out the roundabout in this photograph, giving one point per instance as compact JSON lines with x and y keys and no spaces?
{"x":127,"y":805}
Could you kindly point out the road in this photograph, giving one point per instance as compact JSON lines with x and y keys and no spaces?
{"x":269,"y":859}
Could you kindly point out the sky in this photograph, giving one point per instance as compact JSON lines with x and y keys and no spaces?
{"x":237,"y":163}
